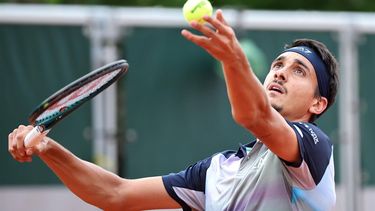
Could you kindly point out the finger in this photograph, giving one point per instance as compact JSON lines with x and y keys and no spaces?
{"x":15,"y":156}
{"x":12,"y":145}
{"x":197,"y":39}
{"x":10,"y":141}
{"x":13,"y":141}
{"x":204,"y":29}
{"x":203,"y":42}
{"x":221,"y":27}
{"x":11,"y":135}
{"x":20,"y":158}
{"x":220,"y":17}
{"x":21,"y":127}
{"x":21,"y":132}
{"x":30,"y":151}
{"x":33,"y":150}
{"x":26,"y":159}
{"x":23,"y":160}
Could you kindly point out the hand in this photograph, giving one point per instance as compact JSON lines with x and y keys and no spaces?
{"x":220,"y":42}
{"x":17,"y":148}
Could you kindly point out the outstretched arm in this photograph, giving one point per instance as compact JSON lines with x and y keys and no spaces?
{"x":249,"y":103}
{"x":90,"y":182}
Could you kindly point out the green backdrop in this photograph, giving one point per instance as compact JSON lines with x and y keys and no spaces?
{"x":35,"y":61}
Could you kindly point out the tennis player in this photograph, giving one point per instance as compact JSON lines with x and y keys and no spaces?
{"x":288,"y":167}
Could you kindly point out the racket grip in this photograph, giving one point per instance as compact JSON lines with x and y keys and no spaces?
{"x":35,"y":136}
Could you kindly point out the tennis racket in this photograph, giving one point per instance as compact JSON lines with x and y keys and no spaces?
{"x":66,"y":100}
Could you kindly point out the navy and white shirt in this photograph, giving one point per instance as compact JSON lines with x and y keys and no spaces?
{"x":254,"y":178}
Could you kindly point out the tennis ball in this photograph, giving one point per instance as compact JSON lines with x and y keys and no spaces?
{"x":194,"y":10}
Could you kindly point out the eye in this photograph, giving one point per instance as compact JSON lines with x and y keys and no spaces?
{"x":299,"y":71}
{"x":277,"y":65}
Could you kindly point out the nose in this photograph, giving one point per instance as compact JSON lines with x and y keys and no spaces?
{"x":280,"y":74}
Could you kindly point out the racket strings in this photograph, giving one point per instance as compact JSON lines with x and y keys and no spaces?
{"x":75,"y":98}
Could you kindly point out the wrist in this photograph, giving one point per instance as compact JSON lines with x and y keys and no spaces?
{"x":236,"y":61}
{"x":45,"y":146}
{"x":237,"y":64}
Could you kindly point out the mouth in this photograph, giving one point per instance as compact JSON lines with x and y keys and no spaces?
{"x":276,"y":88}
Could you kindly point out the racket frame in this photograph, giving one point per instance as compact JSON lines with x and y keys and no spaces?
{"x":42,"y":127}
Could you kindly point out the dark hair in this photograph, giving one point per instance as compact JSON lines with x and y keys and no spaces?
{"x":331,"y":65}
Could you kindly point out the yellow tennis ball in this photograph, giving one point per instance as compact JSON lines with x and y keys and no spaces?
{"x":194,"y":10}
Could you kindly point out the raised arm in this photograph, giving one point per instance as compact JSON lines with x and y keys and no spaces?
{"x":249,"y":102}
{"x":90,"y":182}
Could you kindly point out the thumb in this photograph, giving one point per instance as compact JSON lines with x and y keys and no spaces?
{"x":41,"y":147}
{"x":38,"y":148}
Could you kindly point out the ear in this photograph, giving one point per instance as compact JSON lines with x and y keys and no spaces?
{"x":319,"y":105}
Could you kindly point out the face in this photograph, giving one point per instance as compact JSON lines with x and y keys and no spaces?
{"x":290,"y":86}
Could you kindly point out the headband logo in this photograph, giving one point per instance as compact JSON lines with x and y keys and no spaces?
{"x":305,"y":50}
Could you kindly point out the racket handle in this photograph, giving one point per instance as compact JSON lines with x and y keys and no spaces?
{"x":35,"y":136}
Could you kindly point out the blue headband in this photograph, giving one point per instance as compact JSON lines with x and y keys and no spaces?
{"x":319,"y":67}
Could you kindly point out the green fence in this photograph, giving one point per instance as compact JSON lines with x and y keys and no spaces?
{"x":35,"y":61}
{"x":367,"y":100}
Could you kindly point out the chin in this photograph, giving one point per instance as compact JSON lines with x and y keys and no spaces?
{"x":277,"y":107}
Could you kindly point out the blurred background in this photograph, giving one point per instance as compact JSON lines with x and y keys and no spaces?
{"x":171,"y":109}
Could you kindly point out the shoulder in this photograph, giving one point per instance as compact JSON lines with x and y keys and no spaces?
{"x":311,"y":132}
{"x":315,"y":148}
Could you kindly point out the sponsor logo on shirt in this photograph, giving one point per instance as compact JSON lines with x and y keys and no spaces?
{"x":312,"y":133}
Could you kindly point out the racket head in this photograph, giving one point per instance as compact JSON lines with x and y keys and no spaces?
{"x":69,"y":98}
